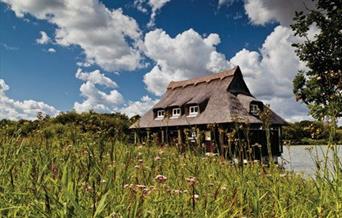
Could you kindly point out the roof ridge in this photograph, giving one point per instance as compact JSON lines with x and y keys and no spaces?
{"x":206,"y":78}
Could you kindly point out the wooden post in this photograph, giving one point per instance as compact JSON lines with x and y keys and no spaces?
{"x":148,"y":136}
{"x":135,"y":137}
{"x":162,"y":136}
{"x":221,"y":140}
{"x":280,"y":140}
{"x":180,"y":137}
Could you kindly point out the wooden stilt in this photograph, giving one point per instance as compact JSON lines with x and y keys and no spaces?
{"x":135,"y":138}
{"x":148,"y":138}
{"x":221,"y":141}
{"x":280,"y":141}
{"x":162,"y":136}
{"x":180,"y":141}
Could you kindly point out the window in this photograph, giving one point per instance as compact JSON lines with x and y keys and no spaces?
{"x":176,"y":112}
{"x":193,"y":110}
{"x":255,"y":109}
{"x":160,"y":114}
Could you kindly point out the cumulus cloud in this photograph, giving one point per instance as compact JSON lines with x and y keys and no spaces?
{"x":269,"y":72}
{"x":108,"y":37}
{"x":96,"y":99}
{"x":183,"y":57}
{"x":27,"y":109}
{"x":155,"y":6}
{"x":96,"y":77}
{"x":44,"y":38}
{"x":261,"y":12}
{"x":138,"y":107}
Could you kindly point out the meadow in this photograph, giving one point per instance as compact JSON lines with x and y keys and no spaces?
{"x":65,"y":171}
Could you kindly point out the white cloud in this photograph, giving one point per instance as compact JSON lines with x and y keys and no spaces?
{"x":139,"y":107}
{"x":3,"y":88}
{"x":183,"y":57}
{"x":155,"y":6}
{"x":107,"y":101}
{"x":100,"y":32}
{"x":51,"y":50}
{"x":27,"y":109}
{"x":95,"y":99}
{"x":269,"y":72}
{"x":44,"y":38}
{"x":289,"y":109}
{"x":261,"y":12}
{"x":96,"y":77}
{"x":139,"y":4}
{"x":225,"y":2}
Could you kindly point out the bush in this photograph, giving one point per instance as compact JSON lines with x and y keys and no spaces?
{"x":304,"y":132}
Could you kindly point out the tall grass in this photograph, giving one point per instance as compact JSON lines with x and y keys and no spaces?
{"x":87,"y":177}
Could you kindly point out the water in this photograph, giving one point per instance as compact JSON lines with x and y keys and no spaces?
{"x":302,"y":160}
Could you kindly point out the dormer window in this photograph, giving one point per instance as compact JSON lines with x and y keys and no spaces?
{"x":176,"y":112}
{"x":160,"y":114}
{"x":193,"y":110}
{"x":255,"y":109}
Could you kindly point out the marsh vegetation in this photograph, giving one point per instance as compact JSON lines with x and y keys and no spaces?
{"x":68,"y":168}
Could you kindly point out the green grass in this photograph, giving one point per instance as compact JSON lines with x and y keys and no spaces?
{"x":100,"y":178}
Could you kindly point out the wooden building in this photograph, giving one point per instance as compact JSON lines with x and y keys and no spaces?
{"x":216,"y":112}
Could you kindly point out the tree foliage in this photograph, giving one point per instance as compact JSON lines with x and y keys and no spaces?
{"x":308,"y":133}
{"x":115,"y":126}
{"x":320,"y":85}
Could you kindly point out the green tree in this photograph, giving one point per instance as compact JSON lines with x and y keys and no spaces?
{"x":320,"y":85}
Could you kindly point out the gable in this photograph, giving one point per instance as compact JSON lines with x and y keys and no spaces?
{"x":238,"y":85}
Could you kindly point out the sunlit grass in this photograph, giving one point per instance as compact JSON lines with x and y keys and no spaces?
{"x":102,"y":178}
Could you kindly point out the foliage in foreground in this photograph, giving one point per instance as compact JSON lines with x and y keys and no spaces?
{"x":58,"y":178}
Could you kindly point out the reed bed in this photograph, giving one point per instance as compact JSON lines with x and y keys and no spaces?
{"x":87,"y":177}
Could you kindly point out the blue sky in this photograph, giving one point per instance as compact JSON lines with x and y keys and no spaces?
{"x":41,"y":73}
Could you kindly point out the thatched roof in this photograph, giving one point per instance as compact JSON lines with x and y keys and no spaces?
{"x":223,"y":98}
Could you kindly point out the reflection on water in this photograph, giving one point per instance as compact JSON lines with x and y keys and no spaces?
{"x":301,"y":158}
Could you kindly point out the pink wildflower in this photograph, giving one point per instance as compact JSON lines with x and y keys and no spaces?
{"x":161,"y":178}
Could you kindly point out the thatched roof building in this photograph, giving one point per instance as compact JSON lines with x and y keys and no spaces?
{"x":214,"y":99}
